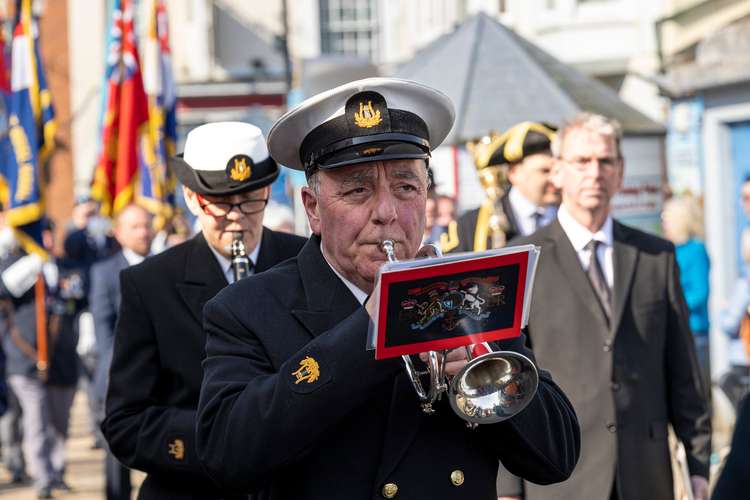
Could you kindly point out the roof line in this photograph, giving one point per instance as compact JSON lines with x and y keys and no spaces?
{"x":470,"y":74}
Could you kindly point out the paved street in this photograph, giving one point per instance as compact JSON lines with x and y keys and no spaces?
{"x":85,"y":466}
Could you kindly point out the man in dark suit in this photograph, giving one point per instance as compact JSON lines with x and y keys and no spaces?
{"x":134,"y":235}
{"x":521,"y":156}
{"x":292,"y":404}
{"x":159,"y":343}
{"x":608,"y":318}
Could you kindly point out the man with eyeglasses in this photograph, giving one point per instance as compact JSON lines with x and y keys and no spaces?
{"x":608,"y":318}
{"x":159,"y":342}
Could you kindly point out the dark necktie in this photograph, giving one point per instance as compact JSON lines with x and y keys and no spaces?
{"x":598,"y":280}
{"x":536,"y":221}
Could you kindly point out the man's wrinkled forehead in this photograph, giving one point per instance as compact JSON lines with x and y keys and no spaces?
{"x":367,"y":172}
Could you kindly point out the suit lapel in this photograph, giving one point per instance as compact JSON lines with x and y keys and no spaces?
{"x":328,"y":300}
{"x":625,"y":258}
{"x":515,"y":229}
{"x":570,"y":266}
{"x":268,"y":254}
{"x":203,"y":277}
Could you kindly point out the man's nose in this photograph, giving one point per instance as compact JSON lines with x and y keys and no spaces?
{"x":234,"y":214}
{"x":385,"y":208}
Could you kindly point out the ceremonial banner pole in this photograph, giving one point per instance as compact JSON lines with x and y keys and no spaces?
{"x":42,"y":352}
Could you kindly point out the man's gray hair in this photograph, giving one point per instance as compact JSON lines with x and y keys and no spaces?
{"x":592,"y":122}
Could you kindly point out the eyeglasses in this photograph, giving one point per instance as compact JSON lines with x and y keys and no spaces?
{"x":582,"y":164}
{"x":221,"y":209}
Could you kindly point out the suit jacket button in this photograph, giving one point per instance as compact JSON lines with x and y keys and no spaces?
{"x":607,"y":347}
{"x":615,"y":386}
{"x":612,"y":428}
{"x":457,"y":477}
{"x":389,"y":490}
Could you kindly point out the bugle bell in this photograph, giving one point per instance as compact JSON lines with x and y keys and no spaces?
{"x":492,"y":387}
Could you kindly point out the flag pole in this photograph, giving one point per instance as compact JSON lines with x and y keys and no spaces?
{"x":42,"y":354}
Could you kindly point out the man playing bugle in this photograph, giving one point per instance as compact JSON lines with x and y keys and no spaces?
{"x":292,"y":404}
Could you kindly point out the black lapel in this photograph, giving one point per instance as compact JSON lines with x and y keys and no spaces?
{"x":570,"y":265}
{"x":268,"y":256}
{"x":328,"y":300}
{"x":515,"y":229}
{"x":625,"y":258}
{"x":203,"y":277}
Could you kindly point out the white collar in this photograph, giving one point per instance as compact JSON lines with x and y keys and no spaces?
{"x":521,"y":205}
{"x":579,"y":235}
{"x":226,"y":263}
{"x":360,"y":295}
{"x":132,"y":257}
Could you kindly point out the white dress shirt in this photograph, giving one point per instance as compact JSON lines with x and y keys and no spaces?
{"x":579,"y":236}
{"x":524,"y":211}
{"x":226,"y":264}
{"x":132,"y":257}
{"x":358,"y":293}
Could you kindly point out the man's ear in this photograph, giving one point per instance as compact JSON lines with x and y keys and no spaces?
{"x":310,"y":201}
{"x":191,"y":201}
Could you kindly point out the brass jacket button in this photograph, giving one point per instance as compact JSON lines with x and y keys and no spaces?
{"x":457,"y":477}
{"x":389,"y":490}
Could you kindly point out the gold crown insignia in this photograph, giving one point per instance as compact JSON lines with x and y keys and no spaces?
{"x":177,"y":449}
{"x":308,"y":371}
{"x":367,"y":117}
{"x":240,"y":171}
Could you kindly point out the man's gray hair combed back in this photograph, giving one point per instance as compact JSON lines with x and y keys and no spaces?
{"x":592,"y":122}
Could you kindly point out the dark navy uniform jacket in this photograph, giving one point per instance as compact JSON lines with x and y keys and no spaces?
{"x":156,"y":366}
{"x":356,"y":431}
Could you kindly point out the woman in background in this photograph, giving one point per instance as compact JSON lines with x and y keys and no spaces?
{"x":682,"y":221}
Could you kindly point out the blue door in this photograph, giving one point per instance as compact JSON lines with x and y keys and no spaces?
{"x":739,"y":134}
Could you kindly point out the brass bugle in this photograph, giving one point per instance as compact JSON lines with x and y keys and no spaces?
{"x":492,"y":387}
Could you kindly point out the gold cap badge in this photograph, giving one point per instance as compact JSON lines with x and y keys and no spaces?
{"x":177,"y":449}
{"x":308,"y":371}
{"x":239,"y":168}
{"x":367,"y":116}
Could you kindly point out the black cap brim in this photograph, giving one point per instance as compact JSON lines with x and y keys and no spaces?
{"x":216,"y":183}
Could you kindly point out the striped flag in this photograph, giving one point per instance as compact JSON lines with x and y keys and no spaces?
{"x":157,"y":181}
{"x":31,"y":130}
{"x":125,"y":121}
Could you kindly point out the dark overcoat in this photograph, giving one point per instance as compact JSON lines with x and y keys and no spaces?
{"x":156,"y":367}
{"x":357,"y":426}
{"x":627,"y":381}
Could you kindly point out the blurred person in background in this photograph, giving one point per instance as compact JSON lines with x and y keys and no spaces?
{"x":278,"y":217}
{"x":609,"y":319}
{"x":10,"y":422}
{"x":736,"y":382}
{"x":521,"y":156}
{"x":88,"y":239}
{"x":175,"y":231}
{"x":134,"y":234}
{"x":682,"y":221}
{"x":45,"y":392}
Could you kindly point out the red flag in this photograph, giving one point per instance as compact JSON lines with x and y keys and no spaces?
{"x":125,"y":121}
{"x":4,"y":80}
